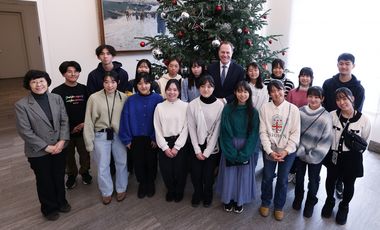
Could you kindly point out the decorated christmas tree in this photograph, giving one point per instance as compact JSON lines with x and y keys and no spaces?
{"x":196,"y":28}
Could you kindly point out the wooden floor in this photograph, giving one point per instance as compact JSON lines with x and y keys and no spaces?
{"x":19,"y":206}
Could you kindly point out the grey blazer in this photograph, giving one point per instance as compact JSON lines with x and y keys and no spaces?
{"x":35,"y":128}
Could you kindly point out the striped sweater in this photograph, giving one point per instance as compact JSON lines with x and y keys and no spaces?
{"x":316,"y":140}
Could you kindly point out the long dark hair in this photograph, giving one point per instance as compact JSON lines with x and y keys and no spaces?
{"x":147,"y":62}
{"x":243,"y":85}
{"x":259,"y":81}
{"x":191,"y":79}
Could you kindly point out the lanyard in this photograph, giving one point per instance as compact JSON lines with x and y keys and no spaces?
{"x":108,"y":107}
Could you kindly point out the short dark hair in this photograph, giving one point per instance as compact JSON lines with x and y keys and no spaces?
{"x":142,"y":76}
{"x":344,"y":92}
{"x":113,"y":74}
{"x":175,"y":82}
{"x":66,"y":64}
{"x":110,"y":49}
{"x":147,"y":62}
{"x":259,"y":81}
{"x":315,"y":91}
{"x":346,"y":57}
{"x":278,"y":62}
{"x":308,"y":72}
{"x":204,"y":79}
{"x":276,"y":84}
{"x":34,"y":74}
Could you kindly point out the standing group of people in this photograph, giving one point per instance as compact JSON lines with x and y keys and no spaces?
{"x":220,"y":117}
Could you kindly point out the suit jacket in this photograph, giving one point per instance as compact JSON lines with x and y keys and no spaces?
{"x":35,"y":128}
{"x":234,"y":75}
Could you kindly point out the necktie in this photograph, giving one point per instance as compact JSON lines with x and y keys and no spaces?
{"x":223,"y":76}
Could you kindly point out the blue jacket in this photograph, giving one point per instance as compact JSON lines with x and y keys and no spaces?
{"x":137,"y":117}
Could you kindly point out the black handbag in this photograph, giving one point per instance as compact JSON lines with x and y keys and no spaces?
{"x":353,"y":141}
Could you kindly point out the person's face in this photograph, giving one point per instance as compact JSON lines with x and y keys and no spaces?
{"x":143,"y":87}
{"x":172,"y":93}
{"x":225,"y":53}
{"x":105,"y":57}
{"x":71,"y":74}
{"x":206,"y":90}
{"x":345,"y":67}
{"x":110,"y":85}
{"x":277,"y":71}
{"x":253,"y":73}
{"x":305,"y":80}
{"x":242,"y":96}
{"x":196,"y":70}
{"x":38,"y":85}
{"x":314,"y":101}
{"x":277,"y":95}
{"x":344,"y":103}
{"x":173,"y":68}
{"x":143,"y":68}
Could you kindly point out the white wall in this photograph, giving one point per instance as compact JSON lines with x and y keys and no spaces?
{"x":70,"y":31}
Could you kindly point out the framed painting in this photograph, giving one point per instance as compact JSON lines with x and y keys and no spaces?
{"x":123,"y":20}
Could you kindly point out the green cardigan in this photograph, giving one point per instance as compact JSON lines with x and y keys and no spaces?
{"x":234,"y":125}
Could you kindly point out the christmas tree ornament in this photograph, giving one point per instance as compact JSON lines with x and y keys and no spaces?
{"x":239,"y":30}
{"x":226,"y":27}
{"x":185,"y":15}
{"x":251,"y":19}
{"x":283,"y":53}
{"x":142,"y":44}
{"x":164,"y":15}
{"x":174,"y":2}
{"x":270,"y":41}
{"x":249,"y":5}
{"x":218,"y":8}
{"x":215,"y":43}
{"x":180,"y":34}
{"x":184,"y":70}
{"x":245,"y":30}
{"x":230,"y":8}
{"x":264,"y":16}
{"x":157,"y":53}
{"x":196,"y":48}
{"x":248,"y":42}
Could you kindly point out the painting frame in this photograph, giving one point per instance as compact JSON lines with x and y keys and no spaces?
{"x":121,"y":21}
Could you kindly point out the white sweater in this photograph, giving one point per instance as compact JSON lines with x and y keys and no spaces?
{"x":272,"y":122}
{"x":170,"y":120}
{"x":259,"y":96}
{"x":203,"y":121}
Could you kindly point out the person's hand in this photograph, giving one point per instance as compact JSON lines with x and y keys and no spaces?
{"x":282,"y":154}
{"x":153,"y":144}
{"x":58,"y":147}
{"x":200,"y":156}
{"x":129,"y":145}
{"x":78,"y":128}
{"x":49,"y":148}
{"x":276,"y":156}
{"x":168,"y":153}
{"x":174,"y":152}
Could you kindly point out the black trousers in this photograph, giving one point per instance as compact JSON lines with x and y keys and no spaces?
{"x":50,"y":173}
{"x":174,"y":171}
{"x":144,"y":160}
{"x":202,"y":176}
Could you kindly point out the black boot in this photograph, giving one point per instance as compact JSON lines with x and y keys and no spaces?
{"x":297,"y":202}
{"x":309,"y":206}
{"x":328,"y":208}
{"x":341,"y":215}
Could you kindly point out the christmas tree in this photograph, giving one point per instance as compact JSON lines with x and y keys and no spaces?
{"x":196,"y":28}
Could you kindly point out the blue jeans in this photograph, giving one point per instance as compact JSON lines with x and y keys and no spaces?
{"x":281,"y":184}
{"x":313,"y":185}
{"x":102,"y":155}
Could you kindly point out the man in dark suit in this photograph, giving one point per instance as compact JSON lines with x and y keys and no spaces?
{"x":226,"y":73}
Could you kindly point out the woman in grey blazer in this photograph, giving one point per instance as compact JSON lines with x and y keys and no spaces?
{"x":42,"y":123}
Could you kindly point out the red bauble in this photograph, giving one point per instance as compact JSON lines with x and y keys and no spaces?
{"x":270,"y":41}
{"x":246,"y":30}
{"x":174,"y":2}
{"x":142,"y":44}
{"x":283,"y":53}
{"x":218,"y":8}
{"x":180,"y":34}
{"x":264,"y":16}
{"x":248,"y":42}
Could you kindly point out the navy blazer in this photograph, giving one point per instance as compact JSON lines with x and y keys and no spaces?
{"x":235,"y":74}
{"x":35,"y":128}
